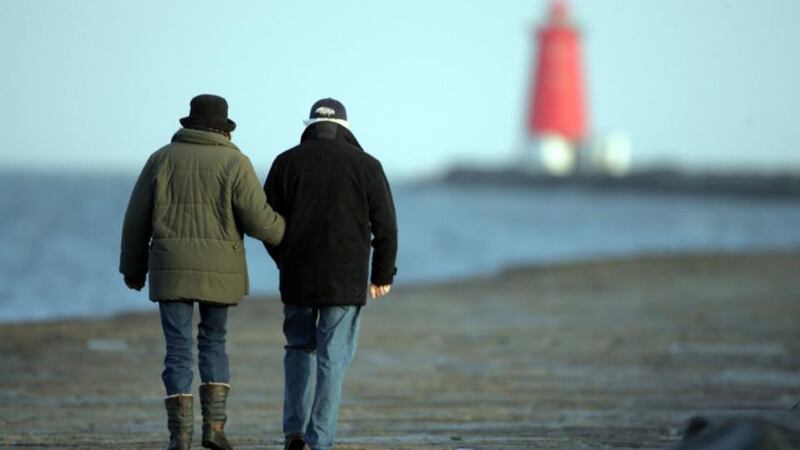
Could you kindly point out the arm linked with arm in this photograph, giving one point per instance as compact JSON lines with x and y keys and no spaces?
{"x":276,"y":196}
{"x":251,"y":209}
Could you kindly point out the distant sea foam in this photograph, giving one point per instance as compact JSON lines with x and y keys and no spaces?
{"x":59,"y":235}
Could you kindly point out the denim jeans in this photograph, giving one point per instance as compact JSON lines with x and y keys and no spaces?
{"x":176,"y":320}
{"x":320,"y":344}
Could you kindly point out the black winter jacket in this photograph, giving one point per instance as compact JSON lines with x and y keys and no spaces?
{"x":336,"y":202}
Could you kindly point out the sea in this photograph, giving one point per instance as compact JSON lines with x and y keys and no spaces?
{"x":60,"y":235}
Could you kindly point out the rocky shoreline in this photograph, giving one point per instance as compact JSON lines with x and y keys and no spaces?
{"x":609,"y":355}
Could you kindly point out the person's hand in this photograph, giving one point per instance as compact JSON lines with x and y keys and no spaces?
{"x":376,"y":291}
{"x":134,"y":283}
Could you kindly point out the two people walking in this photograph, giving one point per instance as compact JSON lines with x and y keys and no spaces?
{"x":324,"y":205}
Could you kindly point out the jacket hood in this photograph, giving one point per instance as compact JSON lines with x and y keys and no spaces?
{"x":331,"y":131}
{"x":192,"y":136}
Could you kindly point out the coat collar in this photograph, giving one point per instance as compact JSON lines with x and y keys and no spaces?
{"x":202,"y":137}
{"x":329,"y":131}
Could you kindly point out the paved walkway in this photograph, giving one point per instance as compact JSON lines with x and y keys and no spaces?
{"x":611,"y":355}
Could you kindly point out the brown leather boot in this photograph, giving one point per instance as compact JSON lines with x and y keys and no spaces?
{"x":212,"y":403}
{"x":179,"y":421}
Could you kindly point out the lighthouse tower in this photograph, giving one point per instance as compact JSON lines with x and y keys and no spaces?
{"x":556,"y":122}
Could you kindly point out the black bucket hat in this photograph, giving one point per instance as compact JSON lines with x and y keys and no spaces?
{"x":209,"y":111}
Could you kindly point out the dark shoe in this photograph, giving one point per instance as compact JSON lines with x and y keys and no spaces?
{"x":179,"y":421}
{"x":296,"y":442}
{"x":212,"y":403}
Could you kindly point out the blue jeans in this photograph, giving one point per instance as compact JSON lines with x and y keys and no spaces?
{"x":320,"y":344}
{"x":176,"y":320}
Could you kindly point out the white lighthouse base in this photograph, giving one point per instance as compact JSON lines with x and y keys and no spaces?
{"x":557,"y":155}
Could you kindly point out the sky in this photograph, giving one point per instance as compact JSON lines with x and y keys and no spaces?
{"x":97,"y":85}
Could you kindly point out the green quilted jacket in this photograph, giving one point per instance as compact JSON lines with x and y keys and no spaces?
{"x":189,"y":210}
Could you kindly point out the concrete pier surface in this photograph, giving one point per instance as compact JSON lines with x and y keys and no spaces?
{"x":603,"y":355}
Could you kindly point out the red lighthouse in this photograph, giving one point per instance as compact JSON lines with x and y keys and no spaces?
{"x":556,"y":115}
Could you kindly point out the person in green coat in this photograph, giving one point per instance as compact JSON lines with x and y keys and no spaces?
{"x":192,"y":204}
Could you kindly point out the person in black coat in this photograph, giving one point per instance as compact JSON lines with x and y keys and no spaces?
{"x":338,"y":206}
